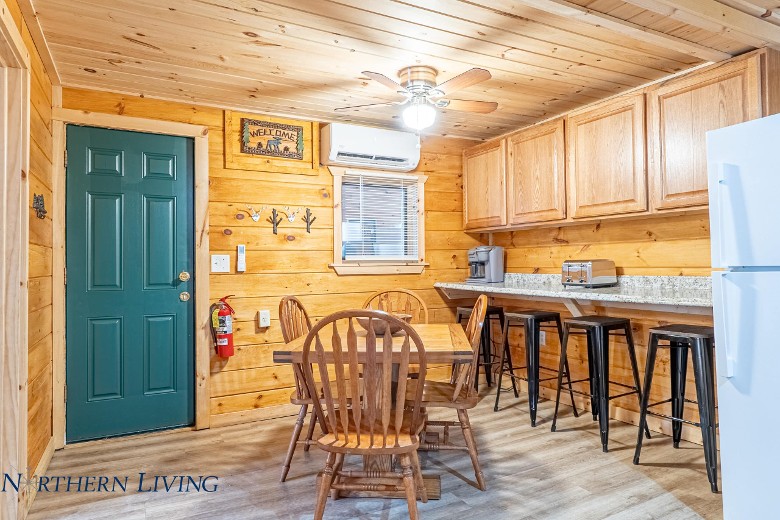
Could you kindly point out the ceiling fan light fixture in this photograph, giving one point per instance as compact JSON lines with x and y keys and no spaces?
{"x":419,"y":116}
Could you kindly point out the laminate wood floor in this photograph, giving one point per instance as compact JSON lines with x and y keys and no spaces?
{"x":531,"y":473}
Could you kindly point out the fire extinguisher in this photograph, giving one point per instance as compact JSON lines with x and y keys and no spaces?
{"x":222,"y":326}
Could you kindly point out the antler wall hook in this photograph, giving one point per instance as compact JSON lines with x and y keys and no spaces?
{"x":291,"y":214}
{"x":309,"y":219}
{"x":275,"y":219}
{"x":255,"y":214}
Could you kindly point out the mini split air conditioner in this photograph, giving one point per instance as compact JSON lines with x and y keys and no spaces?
{"x":367,"y":147}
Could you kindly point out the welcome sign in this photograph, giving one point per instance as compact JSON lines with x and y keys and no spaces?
{"x":271,"y":144}
{"x":272,"y":139}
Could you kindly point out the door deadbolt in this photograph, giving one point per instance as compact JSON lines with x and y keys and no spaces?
{"x":185,"y":296}
{"x":184,"y":276}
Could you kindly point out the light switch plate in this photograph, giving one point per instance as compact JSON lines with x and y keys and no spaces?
{"x":542,"y":337}
{"x":220,"y":263}
{"x":264,"y":318}
{"x":241,"y":258}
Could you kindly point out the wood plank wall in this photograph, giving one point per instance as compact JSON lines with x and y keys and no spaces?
{"x":39,"y":412}
{"x":669,"y":246}
{"x":249,"y":385}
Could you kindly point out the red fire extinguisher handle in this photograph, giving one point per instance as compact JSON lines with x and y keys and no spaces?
{"x":226,"y":304}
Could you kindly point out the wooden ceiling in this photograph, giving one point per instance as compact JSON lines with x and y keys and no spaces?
{"x":303,"y":58}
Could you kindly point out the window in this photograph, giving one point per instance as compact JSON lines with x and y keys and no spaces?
{"x":378,"y":222}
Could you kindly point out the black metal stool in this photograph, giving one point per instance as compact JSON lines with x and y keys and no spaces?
{"x":699,"y":339}
{"x":486,"y":341}
{"x":532,"y":321}
{"x":597,"y":329}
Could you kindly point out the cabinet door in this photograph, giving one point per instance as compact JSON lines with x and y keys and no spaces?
{"x":680,"y":113}
{"x":484,"y":186}
{"x":536,"y":185}
{"x":606,"y":158}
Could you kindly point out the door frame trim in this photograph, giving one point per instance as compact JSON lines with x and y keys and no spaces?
{"x":200,"y":134}
{"x":14,"y":270}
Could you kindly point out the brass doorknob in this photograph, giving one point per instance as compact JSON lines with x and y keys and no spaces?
{"x":185,"y":296}
{"x":184,"y":276}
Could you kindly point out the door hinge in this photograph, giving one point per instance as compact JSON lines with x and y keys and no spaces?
{"x":66,"y":393}
{"x":66,"y":157}
{"x":65,"y":275}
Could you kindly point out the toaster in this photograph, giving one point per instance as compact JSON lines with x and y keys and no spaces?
{"x":589,"y":273}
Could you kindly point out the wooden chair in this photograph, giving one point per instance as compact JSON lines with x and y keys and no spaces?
{"x":459,"y":394}
{"x":295,"y":323}
{"x":399,"y":301}
{"x":366,"y":404}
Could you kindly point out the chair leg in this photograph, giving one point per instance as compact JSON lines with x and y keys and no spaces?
{"x":421,"y":491}
{"x":504,"y":342}
{"x":634,"y":369}
{"x":411,"y":492}
{"x":601,"y":362}
{"x":561,"y":368}
{"x":566,"y":366}
{"x":310,"y":433}
{"x":294,"y":441}
{"x":532,"y":364}
{"x":705,"y":394}
{"x":487,"y":351}
{"x":334,"y":493}
{"x":678,"y":365}
{"x":652,"y":349}
{"x":324,"y":487}
{"x":471,"y":444}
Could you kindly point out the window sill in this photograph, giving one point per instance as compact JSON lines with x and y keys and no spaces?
{"x":353,"y":268}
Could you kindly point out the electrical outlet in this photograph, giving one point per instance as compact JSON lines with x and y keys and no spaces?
{"x":542,"y":337}
{"x":220,"y":263}
{"x":264,"y":319}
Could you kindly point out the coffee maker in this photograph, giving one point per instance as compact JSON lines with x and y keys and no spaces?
{"x":486,"y":264}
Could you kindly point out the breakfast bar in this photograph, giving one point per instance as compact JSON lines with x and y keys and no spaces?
{"x":681,"y":294}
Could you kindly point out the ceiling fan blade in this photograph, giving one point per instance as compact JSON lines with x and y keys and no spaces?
{"x":384,"y":80}
{"x":370,"y":105}
{"x":480,"y":107}
{"x":461,"y":81}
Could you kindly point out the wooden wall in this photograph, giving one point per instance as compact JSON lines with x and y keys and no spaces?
{"x":249,"y":385}
{"x":39,"y":412}
{"x":669,"y":246}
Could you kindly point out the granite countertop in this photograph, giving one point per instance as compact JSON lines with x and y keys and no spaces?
{"x":690,"y":291}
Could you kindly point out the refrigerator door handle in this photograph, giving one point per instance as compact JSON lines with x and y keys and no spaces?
{"x":726,"y":364}
{"x":725,"y":171}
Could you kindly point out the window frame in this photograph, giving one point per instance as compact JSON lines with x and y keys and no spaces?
{"x":348,"y":267}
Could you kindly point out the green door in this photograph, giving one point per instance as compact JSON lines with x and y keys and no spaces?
{"x":130,"y":345}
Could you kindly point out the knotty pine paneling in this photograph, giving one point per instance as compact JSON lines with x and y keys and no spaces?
{"x":669,"y":246}
{"x":39,"y":405}
{"x":294,"y":262}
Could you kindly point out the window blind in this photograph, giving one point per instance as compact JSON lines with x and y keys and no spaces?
{"x":379,"y":218}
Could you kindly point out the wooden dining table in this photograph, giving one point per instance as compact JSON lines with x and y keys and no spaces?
{"x":445,"y":343}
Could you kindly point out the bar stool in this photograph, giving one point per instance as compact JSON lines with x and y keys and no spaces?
{"x":532,"y":321}
{"x":597,"y":329}
{"x":699,"y":339}
{"x":486,"y":341}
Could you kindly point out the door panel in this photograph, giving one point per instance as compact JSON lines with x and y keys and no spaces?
{"x":535,"y":174}
{"x":743,"y":188}
{"x":130,"y":345}
{"x":680,"y":113}
{"x":606,"y":158}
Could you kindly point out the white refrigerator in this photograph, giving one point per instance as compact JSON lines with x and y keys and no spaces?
{"x":744,"y":189}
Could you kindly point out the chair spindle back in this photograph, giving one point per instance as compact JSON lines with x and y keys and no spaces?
{"x":399,"y":301}
{"x":463,"y":374}
{"x":295,"y":323}
{"x":363,"y":391}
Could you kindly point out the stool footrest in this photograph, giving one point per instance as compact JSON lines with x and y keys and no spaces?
{"x":664,"y":416}
{"x":632,"y":392}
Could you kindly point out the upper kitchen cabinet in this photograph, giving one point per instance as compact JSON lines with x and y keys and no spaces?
{"x":606,"y":158}
{"x":536,"y":184}
{"x":680,"y":112}
{"x":484,"y":186}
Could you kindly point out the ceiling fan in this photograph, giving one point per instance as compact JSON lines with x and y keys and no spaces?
{"x":422,"y":94}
